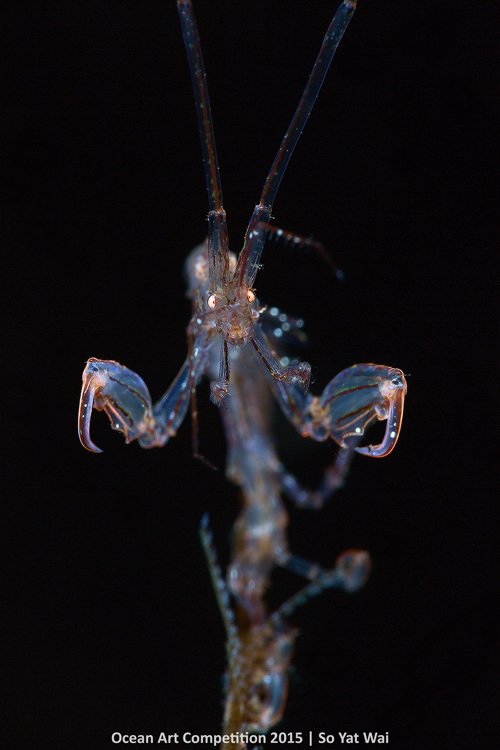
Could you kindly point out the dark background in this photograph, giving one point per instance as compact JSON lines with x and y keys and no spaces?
{"x":111,"y":621}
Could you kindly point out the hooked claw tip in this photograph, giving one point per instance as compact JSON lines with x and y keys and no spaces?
{"x":88,"y":444}
{"x":85,"y":413}
{"x":392,"y":428}
{"x":386,"y":446}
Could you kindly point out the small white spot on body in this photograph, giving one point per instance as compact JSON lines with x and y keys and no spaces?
{"x":358,"y":430}
{"x":393,"y":434}
{"x":279,"y":232}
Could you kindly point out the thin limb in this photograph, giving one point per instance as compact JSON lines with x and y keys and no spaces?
{"x":350,"y":573}
{"x":298,"y":374}
{"x":297,"y":240}
{"x":217,"y":229}
{"x":194,"y":413}
{"x":220,"y":388}
{"x":299,"y":566}
{"x":333,"y":479}
{"x":171,"y":408}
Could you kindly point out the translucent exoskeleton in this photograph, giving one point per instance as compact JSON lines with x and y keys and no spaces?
{"x":259,"y":651}
{"x":232,"y":340}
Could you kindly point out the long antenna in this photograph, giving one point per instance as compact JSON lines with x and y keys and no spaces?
{"x":202,"y":103}
{"x":253,"y":244}
{"x":217,"y":231}
{"x":331,"y":41}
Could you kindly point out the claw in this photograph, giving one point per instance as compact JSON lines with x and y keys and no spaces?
{"x":393,"y":390}
{"x":354,"y":399}
{"x":123,"y":395}
{"x":85,"y":410}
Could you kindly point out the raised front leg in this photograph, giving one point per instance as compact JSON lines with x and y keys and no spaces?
{"x":123,"y":395}
{"x":353,"y":400}
{"x":111,"y":387}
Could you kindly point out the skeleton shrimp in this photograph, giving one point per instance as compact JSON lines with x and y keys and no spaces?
{"x":232,"y":341}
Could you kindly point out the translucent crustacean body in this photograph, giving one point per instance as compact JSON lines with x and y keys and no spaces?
{"x":260,"y":646}
{"x":232,"y":341}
